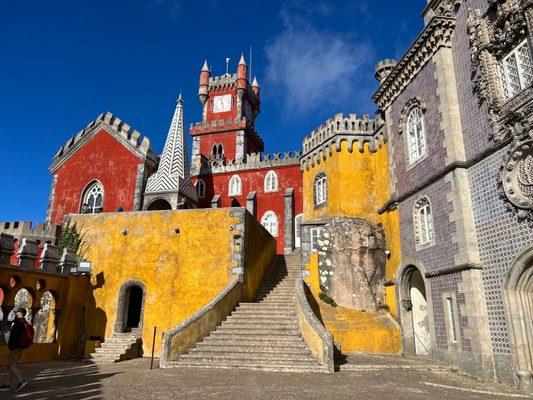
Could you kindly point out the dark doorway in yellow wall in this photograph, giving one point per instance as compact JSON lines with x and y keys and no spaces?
{"x":134,"y":307}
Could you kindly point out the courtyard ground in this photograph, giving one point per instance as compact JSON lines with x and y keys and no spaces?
{"x":359,"y":377}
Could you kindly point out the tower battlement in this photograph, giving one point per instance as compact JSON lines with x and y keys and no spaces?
{"x":252,"y":161}
{"x":341,"y":128}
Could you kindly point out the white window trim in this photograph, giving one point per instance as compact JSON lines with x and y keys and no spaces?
{"x":272,"y":220}
{"x":238,"y":191}
{"x":423,"y":223}
{"x":314,"y":242}
{"x":508,"y":92}
{"x":271,"y":183}
{"x":321,"y":191}
{"x":86,"y":194}
{"x":200,"y":188}
{"x":419,"y":138}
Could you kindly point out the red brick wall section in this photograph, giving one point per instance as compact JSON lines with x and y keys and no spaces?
{"x":105,"y":159}
{"x":253,"y":180}
{"x":227,"y":139}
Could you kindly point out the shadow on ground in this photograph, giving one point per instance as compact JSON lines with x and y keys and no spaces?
{"x":59,"y":380}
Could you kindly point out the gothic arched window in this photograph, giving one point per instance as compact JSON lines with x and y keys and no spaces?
{"x":200,"y":188}
{"x":235,"y":186}
{"x":217,"y":151}
{"x":423,"y":221}
{"x":416,"y":134}
{"x":271,"y":182}
{"x":320,"y":189}
{"x":270,"y":222}
{"x":93,"y":198}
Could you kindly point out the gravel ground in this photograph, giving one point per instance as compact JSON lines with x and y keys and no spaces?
{"x":134,"y":380}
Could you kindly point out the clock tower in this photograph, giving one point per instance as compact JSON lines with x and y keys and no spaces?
{"x":230,"y":106}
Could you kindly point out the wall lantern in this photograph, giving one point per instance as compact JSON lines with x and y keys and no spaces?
{"x":84,"y":267}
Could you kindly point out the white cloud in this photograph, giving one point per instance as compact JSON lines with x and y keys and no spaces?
{"x":311,"y":67}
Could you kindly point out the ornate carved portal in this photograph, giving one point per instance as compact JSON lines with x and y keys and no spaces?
{"x":493,"y":35}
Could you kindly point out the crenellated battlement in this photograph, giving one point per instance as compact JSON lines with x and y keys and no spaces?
{"x":321,"y":142}
{"x":222,"y":81}
{"x":24,"y":229}
{"x":115,"y":126}
{"x":252,"y":161}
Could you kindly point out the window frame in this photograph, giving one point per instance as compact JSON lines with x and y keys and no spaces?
{"x":86,"y":194}
{"x":200,"y":188}
{"x":424,"y":225}
{"x":232,"y":193}
{"x":320,"y":190}
{"x":504,"y":73}
{"x":275,"y":221}
{"x":274,"y":182}
{"x":420,"y":136}
{"x":313,"y":239}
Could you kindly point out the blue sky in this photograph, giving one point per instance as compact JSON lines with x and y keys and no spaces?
{"x":64,"y":62}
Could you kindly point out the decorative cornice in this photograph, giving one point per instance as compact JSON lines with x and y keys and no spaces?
{"x":121,"y":131}
{"x":435,"y":35}
{"x":452,"y":270}
{"x":320,"y":143}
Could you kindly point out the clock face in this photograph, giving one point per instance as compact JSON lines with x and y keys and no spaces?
{"x":222,"y":103}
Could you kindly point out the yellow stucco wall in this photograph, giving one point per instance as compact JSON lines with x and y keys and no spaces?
{"x":182,"y":271}
{"x":358,"y":185}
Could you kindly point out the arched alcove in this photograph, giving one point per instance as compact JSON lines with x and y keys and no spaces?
{"x":159,"y":204}
{"x":130,"y":309}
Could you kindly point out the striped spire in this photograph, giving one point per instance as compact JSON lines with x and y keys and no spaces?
{"x":173,"y":174}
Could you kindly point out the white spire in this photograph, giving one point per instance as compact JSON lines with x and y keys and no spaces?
{"x":173,"y":174}
{"x":206,"y":66}
{"x":255,"y":83}
{"x":242,"y":61}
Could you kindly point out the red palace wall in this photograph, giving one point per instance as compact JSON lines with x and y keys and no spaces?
{"x":253,"y":180}
{"x":102,"y":158}
{"x":227,"y":139}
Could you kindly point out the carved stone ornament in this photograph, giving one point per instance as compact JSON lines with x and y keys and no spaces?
{"x":517,"y":179}
{"x":494,"y":34}
{"x":413,"y":102}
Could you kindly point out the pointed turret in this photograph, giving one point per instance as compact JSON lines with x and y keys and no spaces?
{"x":242,"y":73}
{"x":172,"y":180}
{"x":203,"y":87}
{"x":255,"y":87}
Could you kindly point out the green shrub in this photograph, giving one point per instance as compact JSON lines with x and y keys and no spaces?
{"x":326,"y":298}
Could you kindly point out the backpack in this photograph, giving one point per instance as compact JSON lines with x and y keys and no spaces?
{"x":26,"y":337}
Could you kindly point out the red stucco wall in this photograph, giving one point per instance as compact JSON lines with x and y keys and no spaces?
{"x":253,"y":180}
{"x":102,"y":158}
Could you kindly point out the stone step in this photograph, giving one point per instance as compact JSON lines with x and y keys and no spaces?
{"x":249,"y":366}
{"x":264,"y":326}
{"x":265,"y":306}
{"x":248,"y":348}
{"x":261,"y":319}
{"x":275,"y":364}
{"x":267,"y":337}
{"x":254,"y":343}
{"x":258,"y":357}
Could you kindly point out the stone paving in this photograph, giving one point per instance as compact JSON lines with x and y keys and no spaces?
{"x":397,"y":379}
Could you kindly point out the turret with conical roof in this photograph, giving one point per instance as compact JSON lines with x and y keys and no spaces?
{"x":203,"y":87}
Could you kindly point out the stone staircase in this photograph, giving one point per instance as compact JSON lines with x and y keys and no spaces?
{"x":263,"y":335}
{"x":119,"y":347}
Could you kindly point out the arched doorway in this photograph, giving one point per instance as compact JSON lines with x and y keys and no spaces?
{"x":159,"y":204}
{"x":518,"y":290}
{"x":415,"y":312}
{"x":130,"y":309}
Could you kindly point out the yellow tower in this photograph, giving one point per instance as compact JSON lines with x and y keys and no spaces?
{"x":351,"y":251}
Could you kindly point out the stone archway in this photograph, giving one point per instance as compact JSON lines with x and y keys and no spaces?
{"x":130,"y":308}
{"x":159,"y":204}
{"x":518,"y":289}
{"x":415,"y":312}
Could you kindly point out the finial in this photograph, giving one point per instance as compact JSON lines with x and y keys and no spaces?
{"x":180,"y":99}
{"x":255,"y":83}
{"x":206,"y":66}
{"x":242,"y":61}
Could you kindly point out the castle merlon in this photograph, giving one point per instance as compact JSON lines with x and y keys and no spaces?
{"x":319,"y":144}
{"x":123,"y":132}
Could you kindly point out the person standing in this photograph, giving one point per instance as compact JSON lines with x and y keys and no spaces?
{"x":20,"y":338}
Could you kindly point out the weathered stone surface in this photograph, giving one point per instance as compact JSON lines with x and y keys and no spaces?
{"x":352,"y":259}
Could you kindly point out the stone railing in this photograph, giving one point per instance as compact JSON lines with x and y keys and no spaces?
{"x":181,"y":338}
{"x":27,"y":254}
{"x":318,"y":339}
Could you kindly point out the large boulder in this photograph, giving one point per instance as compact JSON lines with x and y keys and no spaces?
{"x":351,"y":254}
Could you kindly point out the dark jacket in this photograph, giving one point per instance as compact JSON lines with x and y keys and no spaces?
{"x":16,"y":332}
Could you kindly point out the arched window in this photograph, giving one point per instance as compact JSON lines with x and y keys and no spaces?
{"x":271,"y":182}
{"x":416,"y":134}
{"x":93,"y":199}
{"x":200,"y":188}
{"x":235,"y":186}
{"x":217,"y":151}
{"x":320,"y":189}
{"x":270,"y":222}
{"x":423,"y":221}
